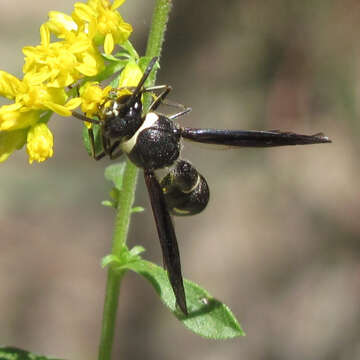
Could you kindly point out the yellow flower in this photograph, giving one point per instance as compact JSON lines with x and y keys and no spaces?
{"x":62,"y":63}
{"x":19,"y":120}
{"x":104,"y":23}
{"x":39,"y":143}
{"x":92,"y":96}
{"x":30,"y":94}
{"x":52,"y":66}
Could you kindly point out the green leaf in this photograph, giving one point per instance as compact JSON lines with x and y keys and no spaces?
{"x":108,"y":203}
{"x":124,"y":54}
{"x":137,"y":250}
{"x":137,"y":209}
{"x":12,"y":353}
{"x":114,"y":199}
{"x":207,"y":317}
{"x":97,"y":139}
{"x":111,"y":260}
{"x":115,"y":173}
{"x":126,"y":258}
{"x":45,"y":116}
{"x":127,"y":45}
{"x":110,"y":69}
{"x":114,"y":83}
{"x":113,"y":58}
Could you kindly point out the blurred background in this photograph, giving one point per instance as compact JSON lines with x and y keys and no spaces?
{"x":279,"y":241}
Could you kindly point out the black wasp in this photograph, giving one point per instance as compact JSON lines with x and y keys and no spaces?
{"x":152,"y":141}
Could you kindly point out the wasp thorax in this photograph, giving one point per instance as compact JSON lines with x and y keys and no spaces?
{"x":155,"y":145}
{"x":121,"y":118}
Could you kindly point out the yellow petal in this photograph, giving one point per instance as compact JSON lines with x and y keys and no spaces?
{"x":29,"y":51}
{"x":39,"y":143}
{"x":63,"y":80}
{"x":56,"y":95}
{"x":124,"y":32}
{"x":116,"y":4}
{"x":80,"y":45}
{"x":14,"y":119}
{"x":109,"y":44}
{"x":73,"y":103}
{"x":59,"y":109}
{"x":37,"y":77}
{"x":84,"y":12}
{"x":9,"y":85}
{"x":60,"y":20}
{"x":44,"y":35}
{"x":11,"y":107}
{"x":87,"y":69}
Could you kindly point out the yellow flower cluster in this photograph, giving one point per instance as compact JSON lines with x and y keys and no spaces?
{"x":50,"y":68}
{"x":93,"y":96}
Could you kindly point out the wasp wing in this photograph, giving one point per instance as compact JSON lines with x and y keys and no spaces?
{"x":167,"y":238}
{"x":251,"y":138}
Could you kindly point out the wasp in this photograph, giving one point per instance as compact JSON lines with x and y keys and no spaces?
{"x":153,"y":142}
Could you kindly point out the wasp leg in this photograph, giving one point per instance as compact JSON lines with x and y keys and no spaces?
{"x":186,"y":191}
{"x":85,"y":118}
{"x":181,"y":113}
{"x":108,"y":149}
{"x":112,"y":154}
{"x":161,"y":97}
{"x":92,"y":146}
{"x":156,"y":88}
{"x":167,"y":238}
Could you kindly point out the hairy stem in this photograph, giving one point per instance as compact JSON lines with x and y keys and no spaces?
{"x":127,"y":195}
{"x":122,"y":222}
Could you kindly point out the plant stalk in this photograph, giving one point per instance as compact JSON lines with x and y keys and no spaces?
{"x":127,"y":195}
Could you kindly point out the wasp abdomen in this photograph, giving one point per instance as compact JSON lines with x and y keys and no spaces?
{"x":186,"y":191}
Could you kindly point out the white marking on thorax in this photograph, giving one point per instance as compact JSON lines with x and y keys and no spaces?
{"x":114,"y":110}
{"x":149,"y":121}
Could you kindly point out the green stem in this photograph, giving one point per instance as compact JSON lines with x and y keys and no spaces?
{"x":156,"y":36}
{"x":127,"y":195}
{"x":122,"y":222}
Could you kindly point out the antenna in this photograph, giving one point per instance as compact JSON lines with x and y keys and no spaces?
{"x":143,"y":79}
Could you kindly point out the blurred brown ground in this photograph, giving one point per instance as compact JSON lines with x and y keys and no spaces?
{"x":279,"y":241}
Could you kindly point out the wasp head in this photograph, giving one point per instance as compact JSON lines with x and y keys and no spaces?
{"x":122,"y":117}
